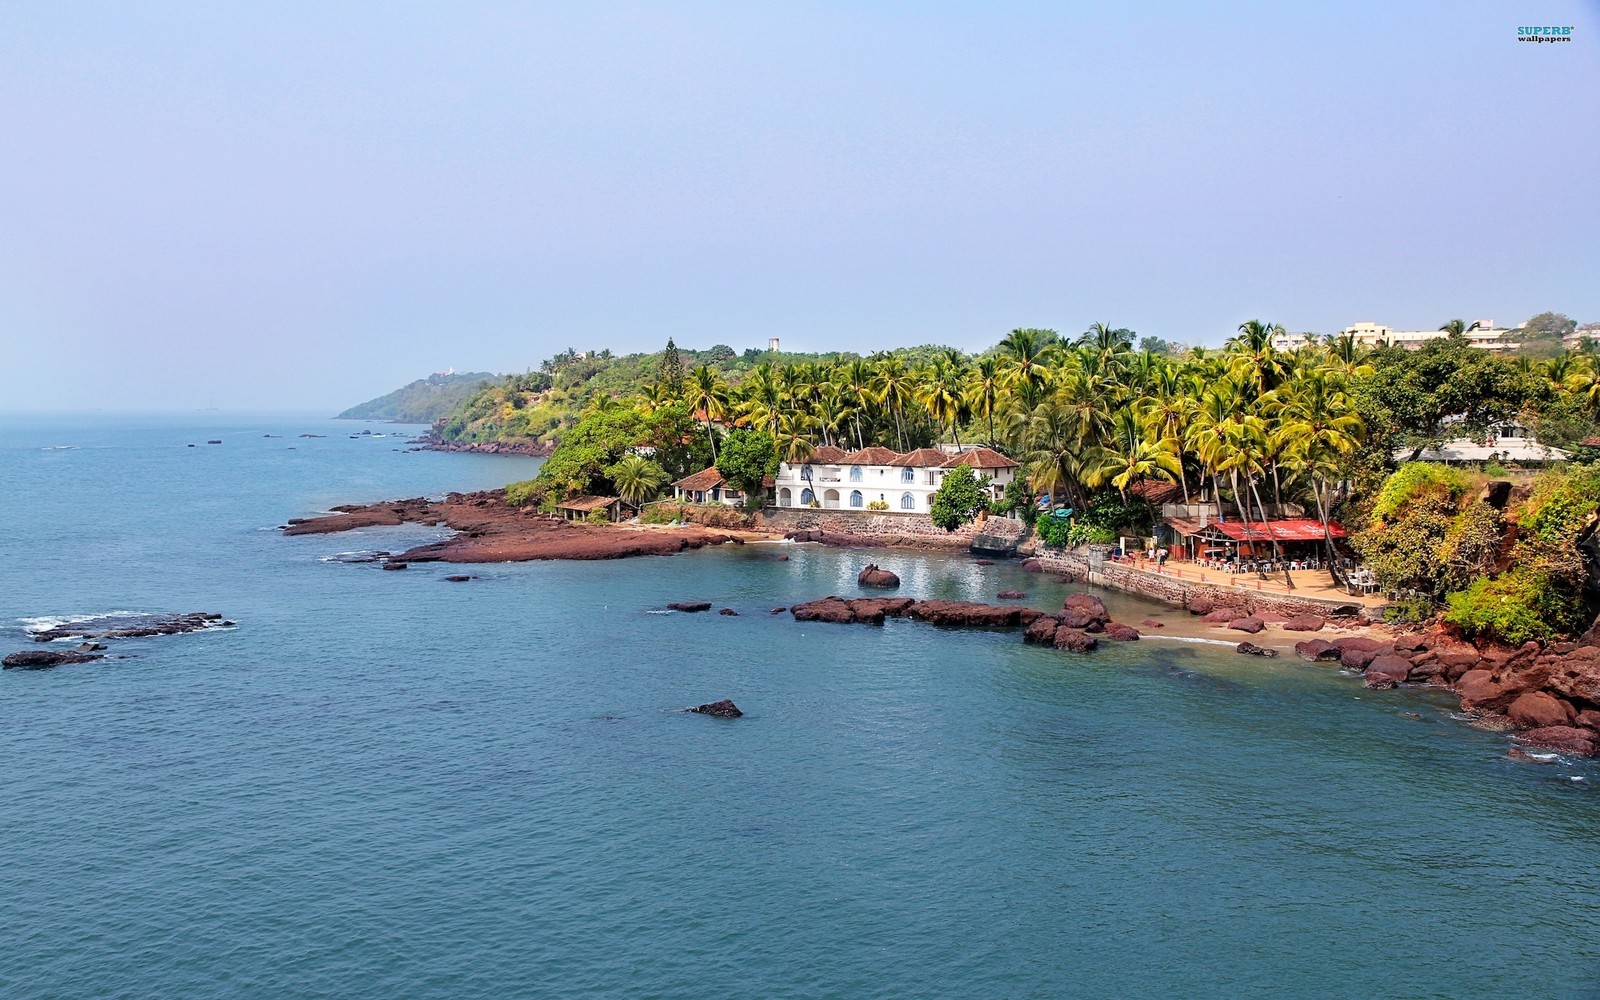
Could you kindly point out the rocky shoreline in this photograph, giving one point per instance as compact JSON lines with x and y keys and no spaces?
{"x":528,"y":449}
{"x":490,"y":530}
{"x":1545,"y":696}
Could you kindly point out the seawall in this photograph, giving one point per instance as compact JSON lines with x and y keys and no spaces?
{"x":888,"y":527}
{"x":1090,"y":565}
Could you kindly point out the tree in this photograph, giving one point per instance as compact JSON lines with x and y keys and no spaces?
{"x":637,"y":479}
{"x":1156,"y":345}
{"x":1445,"y":388}
{"x":709,"y":394}
{"x":747,"y":459}
{"x":959,"y":499}
{"x":669,"y":373}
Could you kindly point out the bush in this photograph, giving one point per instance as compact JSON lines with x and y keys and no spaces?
{"x":1053,"y":531}
{"x":878,"y":505}
{"x":1090,"y":534}
{"x":1018,"y":499}
{"x":1409,"y":609}
{"x":529,"y":490}
{"x":1510,"y":608}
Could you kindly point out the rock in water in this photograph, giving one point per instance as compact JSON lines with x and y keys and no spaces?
{"x":131,"y":626}
{"x":1012,"y":595}
{"x":729,"y":612}
{"x":1032,"y":566}
{"x":1252,"y":649}
{"x":723,"y":709}
{"x":872,"y":576}
{"x":43,"y":659}
{"x":689,"y":606}
{"x":391,"y":565}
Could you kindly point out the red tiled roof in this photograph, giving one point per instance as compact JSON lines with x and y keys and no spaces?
{"x":1156,"y":490}
{"x":705,"y":479}
{"x":922,"y":458}
{"x":872,"y":456}
{"x":1293,"y":529}
{"x":981,"y":458}
{"x":827,"y":455}
{"x":586,"y":504}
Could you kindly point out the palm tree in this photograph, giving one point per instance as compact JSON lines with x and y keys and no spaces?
{"x":1457,"y":328}
{"x":858,"y":383}
{"x":942,"y":392}
{"x":1027,"y":356}
{"x":708,"y":393}
{"x":895,"y":387}
{"x":984,"y":391}
{"x":637,"y":479}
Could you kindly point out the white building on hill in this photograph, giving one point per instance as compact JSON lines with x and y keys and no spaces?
{"x":840,"y":480}
{"x":1484,"y":334}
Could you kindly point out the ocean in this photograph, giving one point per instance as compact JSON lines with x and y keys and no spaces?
{"x":384,"y":784}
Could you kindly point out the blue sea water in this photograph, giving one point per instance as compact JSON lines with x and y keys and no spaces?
{"x":383,"y":784}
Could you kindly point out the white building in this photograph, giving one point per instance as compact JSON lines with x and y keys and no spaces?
{"x":837,"y":480}
{"x":1505,"y":443}
{"x":1484,"y":334}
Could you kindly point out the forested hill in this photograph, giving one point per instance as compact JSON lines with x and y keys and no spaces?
{"x":423,"y":401}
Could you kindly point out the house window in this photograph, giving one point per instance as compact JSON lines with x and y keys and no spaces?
{"x":855,"y":498}
{"x":855,"y":473}
{"x":908,"y":502}
{"x":908,"y":475}
{"x":785,"y":498}
{"x":805,"y":472}
{"x":806,"y":498}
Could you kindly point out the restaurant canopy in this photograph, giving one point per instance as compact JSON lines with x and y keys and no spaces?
{"x":1293,"y":529}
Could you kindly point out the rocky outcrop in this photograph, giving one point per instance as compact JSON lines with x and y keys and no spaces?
{"x":1316,"y":650}
{"x":1567,"y":739}
{"x":1251,"y":649}
{"x":724,"y":709}
{"x":970,"y":614}
{"x":1032,"y":566}
{"x":132,"y":626}
{"x":1539,"y":710}
{"x":1072,"y":640}
{"x":1304,"y":623}
{"x":1120,"y":632}
{"x":43,"y":659}
{"x":872,"y":576}
{"x":689,"y":606}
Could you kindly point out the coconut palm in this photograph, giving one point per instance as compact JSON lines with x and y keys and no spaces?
{"x":637,"y":479}
{"x":708,"y":395}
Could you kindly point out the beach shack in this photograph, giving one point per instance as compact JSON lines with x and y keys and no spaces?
{"x":581,"y":508}
{"x":1233,"y":541}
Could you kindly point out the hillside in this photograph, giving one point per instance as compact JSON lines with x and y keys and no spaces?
{"x":423,"y":401}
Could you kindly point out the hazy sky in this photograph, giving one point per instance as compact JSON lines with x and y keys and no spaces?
{"x":292,"y":206}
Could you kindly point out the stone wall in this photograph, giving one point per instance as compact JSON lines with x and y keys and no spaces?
{"x":893,"y":527}
{"x":1089,"y":565}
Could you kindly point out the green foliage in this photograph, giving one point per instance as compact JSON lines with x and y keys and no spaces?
{"x":518,"y":494}
{"x":670,"y":370}
{"x":1414,"y":481}
{"x":1445,"y":388}
{"x":421,"y":402}
{"x":1409,"y":610}
{"x":1110,"y":510}
{"x":1470,"y":546}
{"x":1053,"y":531}
{"x":1090,"y":534}
{"x":959,"y":499}
{"x":878,"y":505}
{"x":748,"y":457}
{"x":1018,"y":499}
{"x":1513,"y":608}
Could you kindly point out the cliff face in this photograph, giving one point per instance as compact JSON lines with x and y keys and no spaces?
{"x":421,"y":402}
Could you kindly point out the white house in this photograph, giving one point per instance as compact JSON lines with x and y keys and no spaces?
{"x":1505,"y":443}
{"x":837,"y":480}
{"x":706,"y":486}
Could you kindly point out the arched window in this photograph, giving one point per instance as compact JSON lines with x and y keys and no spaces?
{"x":908,"y":475}
{"x":855,"y":473}
{"x":855,"y":498}
{"x":784,"y":497}
{"x":908,"y":502}
{"x":805,"y":472}
{"x":806,"y":498}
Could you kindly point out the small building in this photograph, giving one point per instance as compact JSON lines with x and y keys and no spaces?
{"x":1505,"y":443}
{"x":581,"y":508}
{"x":706,"y":486}
{"x":1223,"y":540}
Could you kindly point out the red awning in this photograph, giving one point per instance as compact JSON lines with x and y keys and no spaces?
{"x":1296,"y":529}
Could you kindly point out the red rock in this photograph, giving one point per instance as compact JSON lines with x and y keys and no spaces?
{"x":1485,"y":691}
{"x":1152,"y":623}
{"x":872,"y":576}
{"x":1537,"y":710}
{"x":1270,"y":617}
{"x":1358,"y":657}
{"x":1380,"y":682}
{"x":1251,"y":624}
{"x":1304,"y":623}
{"x":827,"y":609}
{"x":1032,"y":566}
{"x":965,"y":614}
{"x":1202,"y":605}
{"x":1396,"y":668}
{"x":1589,"y":718}
{"x":729,"y":612}
{"x":391,"y":565}
{"x":1089,"y":604}
{"x":1074,"y":641}
{"x":1121,"y":632}
{"x":1566,"y":739}
{"x":1316,"y":650}
{"x":1042,"y":631}
{"x":1252,"y":649}
{"x":1576,"y":676}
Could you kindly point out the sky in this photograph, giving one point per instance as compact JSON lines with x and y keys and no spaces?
{"x":299,"y":206}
